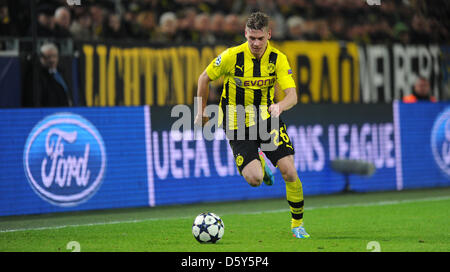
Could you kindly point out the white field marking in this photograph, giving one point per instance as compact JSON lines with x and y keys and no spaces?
{"x":379,"y":203}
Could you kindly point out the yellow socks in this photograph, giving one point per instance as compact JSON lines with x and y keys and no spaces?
{"x":294,"y":195}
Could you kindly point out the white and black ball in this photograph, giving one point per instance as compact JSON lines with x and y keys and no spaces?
{"x":208,"y":228}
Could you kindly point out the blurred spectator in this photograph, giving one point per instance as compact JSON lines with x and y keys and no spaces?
{"x":295,"y":28}
{"x":249,"y":6}
{"x":440,"y":33}
{"x":321,"y":7}
{"x":130,"y":19}
{"x":323,"y":30}
{"x":416,"y":21}
{"x":209,"y":6}
{"x":98,"y":16}
{"x":233,"y":29}
{"x":337,"y":27}
{"x":401,"y":33}
{"x":167,"y":27}
{"x":7,"y":27}
{"x":359,"y":32}
{"x":436,"y":13}
{"x":388,"y":11}
{"x":202,"y":29}
{"x":146,"y":26}
{"x":62,"y":23}
{"x":216,"y":26}
{"x":285,"y":7}
{"x":186,"y":24}
{"x":278,"y":32}
{"x":81,"y":27}
{"x":421,"y":92}
{"x":310,"y":31}
{"x":114,"y":29}
{"x":45,"y":24}
{"x":77,"y":11}
{"x":420,"y":30}
{"x":380,"y":31}
{"x":52,"y":87}
{"x":277,"y":22}
{"x":352,"y":9}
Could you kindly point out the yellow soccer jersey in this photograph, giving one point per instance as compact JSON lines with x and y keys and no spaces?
{"x":249,"y":82}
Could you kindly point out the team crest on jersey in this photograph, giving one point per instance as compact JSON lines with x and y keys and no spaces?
{"x":218,"y":60}
{"x":271,"y":68}
{"x":239,"y":160}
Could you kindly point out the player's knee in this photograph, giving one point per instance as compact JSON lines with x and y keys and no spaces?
{"x":254,"y":179}
{"x":289,"y":174}
{"x":254,"y":182}
{"x":287,"y":168}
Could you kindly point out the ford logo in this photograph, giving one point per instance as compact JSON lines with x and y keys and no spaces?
{"x":440,"y":141}
{"x":64,"y":159}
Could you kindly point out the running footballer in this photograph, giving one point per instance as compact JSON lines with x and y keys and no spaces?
{"x":251,"y":72}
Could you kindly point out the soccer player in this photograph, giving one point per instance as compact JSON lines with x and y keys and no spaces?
{"x":251,"y":71}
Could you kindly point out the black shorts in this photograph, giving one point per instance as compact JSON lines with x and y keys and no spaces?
{"x":245,"y":150}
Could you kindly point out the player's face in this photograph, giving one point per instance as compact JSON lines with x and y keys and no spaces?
{"x":257,"y":40}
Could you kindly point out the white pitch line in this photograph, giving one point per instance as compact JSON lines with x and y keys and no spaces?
{"x":379,"y":203}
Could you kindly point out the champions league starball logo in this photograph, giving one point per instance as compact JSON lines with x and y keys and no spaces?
{"x":440,"y":141}
{"x":64,"y":159}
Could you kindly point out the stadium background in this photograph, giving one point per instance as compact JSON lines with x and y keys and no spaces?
{"x":353,"y":62}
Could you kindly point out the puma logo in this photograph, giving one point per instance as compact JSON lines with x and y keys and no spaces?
{"x":240,"y":67}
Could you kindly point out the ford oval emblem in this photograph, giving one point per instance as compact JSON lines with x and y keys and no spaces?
{"x":64,"y":159}
{"x":440,"y":141}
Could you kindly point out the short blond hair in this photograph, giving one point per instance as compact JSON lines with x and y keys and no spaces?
{"x":257,"y":21}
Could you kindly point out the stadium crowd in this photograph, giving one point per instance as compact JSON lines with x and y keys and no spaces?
{"x":213,"y":21}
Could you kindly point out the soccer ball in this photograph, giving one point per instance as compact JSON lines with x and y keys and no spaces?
{"x":208,"y":228}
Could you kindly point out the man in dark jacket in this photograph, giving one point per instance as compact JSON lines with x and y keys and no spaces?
{"x":52,"y":89}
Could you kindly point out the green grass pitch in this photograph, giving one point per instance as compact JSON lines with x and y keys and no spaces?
{"x":407,"y":221}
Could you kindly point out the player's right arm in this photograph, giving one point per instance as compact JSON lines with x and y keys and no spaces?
{"x":218,"y":67}
{"x":202,"y":96}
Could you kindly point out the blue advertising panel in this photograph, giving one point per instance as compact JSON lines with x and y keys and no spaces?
{"x":67,"y":159}
{"x":425,"y":144}
{"x":10,"y":82}
{"x":55,"y":160}
{"x":324,"y":133}
{"x":187,"y":168}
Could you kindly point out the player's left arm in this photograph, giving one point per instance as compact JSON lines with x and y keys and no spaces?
{"x":286,"y":83}
{"x":290,"y":99}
